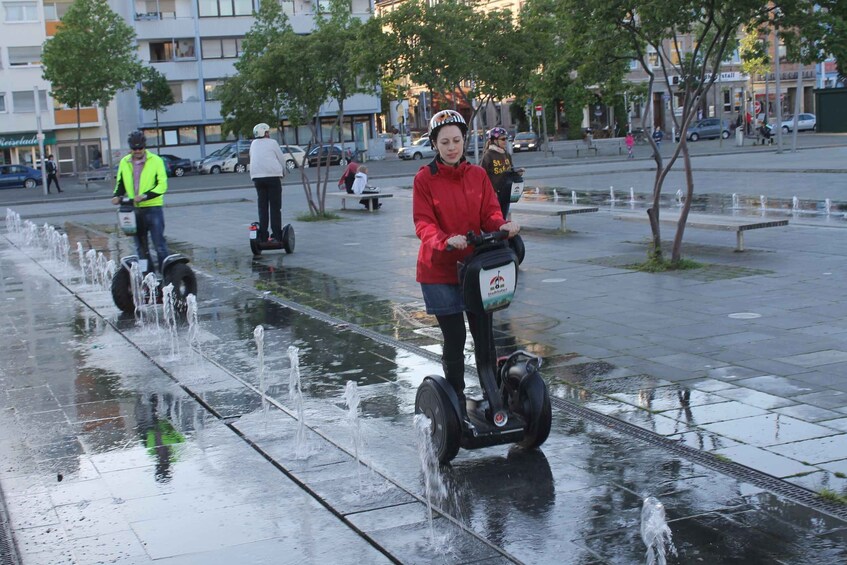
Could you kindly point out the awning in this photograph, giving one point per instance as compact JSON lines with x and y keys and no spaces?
{"x":26,"y":139}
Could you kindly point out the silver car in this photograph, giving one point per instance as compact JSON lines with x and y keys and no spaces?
{"x":420,"y":149}
{"x":805,"y":122}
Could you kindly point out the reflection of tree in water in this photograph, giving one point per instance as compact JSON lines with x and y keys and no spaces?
{"x":490,"y":491}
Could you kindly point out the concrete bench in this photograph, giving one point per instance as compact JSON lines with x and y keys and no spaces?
{"x":610,"y":143}
{"x":706,"y":222}
{"x":368,"y":196}
{"x":574,"y":145}
{"x":560,"y":210}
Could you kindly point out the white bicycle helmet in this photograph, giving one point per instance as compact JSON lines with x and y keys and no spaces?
{"x":446,"y":118}
{"x":259,"y":130}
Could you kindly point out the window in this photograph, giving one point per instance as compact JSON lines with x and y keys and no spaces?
{"x":221,"y":48}
{"x":2,"y":102}
{"x":214,"y":134}
{"x":209,"y":86}
{"x":176,"y":50}
{"x":54,"y":11}
{"x":24,"y":56}
{"x":174,"y":136}
{"x":176,"y":90}
{"x":216,"y":8}
{"x":23,"y":102}
{"x":653,"y":59}
{"x":21,"y":11}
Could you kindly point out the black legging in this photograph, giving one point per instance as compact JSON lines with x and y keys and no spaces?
{"x":453,"y":329}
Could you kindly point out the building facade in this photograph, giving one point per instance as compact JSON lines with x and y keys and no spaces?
{"x":193,"y":43}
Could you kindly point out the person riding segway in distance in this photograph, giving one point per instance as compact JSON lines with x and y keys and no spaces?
{"x":141,"y":178}
{"x":267,"y":167}
{"x":450,"y":198}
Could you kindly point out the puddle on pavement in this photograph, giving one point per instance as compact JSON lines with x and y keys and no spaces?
{"x":577,"y":500}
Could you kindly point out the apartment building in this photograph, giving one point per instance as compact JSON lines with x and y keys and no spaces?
{"x":24,"y":26}
{"x":194,"y":43}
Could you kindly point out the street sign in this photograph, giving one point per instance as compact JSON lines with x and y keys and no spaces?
{"x":538,"y":109}
{"x":758,"y":107}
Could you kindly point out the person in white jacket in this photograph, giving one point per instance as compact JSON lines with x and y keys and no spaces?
{"x":360,"y":186}
{"x":267,"y":167}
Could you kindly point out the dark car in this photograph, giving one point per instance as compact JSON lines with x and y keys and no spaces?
{"x":176,"y":166}
{"x":14,"y":176}
{"x":334,"y":154}
{"x":525,"y":141}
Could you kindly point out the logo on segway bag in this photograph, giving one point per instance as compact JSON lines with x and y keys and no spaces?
{"x":497,"y":287}
{"x":500,"y":418}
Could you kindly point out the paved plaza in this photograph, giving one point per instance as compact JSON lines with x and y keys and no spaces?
{"x":722,"y":391}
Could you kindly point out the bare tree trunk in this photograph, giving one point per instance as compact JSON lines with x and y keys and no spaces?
{"x":79,"y":147}
{"x":108,"y":140}
{"x":798,"y":93}
{"x":676,"y":252}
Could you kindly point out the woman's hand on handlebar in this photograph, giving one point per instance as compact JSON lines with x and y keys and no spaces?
{"x":457,"y":242}
{"x":512,"y":227}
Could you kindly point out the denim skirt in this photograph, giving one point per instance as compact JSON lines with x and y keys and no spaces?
{"x":443,"y":299}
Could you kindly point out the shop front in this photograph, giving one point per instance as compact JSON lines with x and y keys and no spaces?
{"x":22,"y":148}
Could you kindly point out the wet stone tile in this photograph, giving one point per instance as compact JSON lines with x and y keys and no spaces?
{"x":764,"y":460}
{"x":112,"y":547}
{"x":816,"y":359}
{"x":768,"y":429}
{"x":830,"y":399}
{"x":813,"y":414}
{"x":755,"y":398}
{"x":778,"y":386}
{"x":815,"y":451}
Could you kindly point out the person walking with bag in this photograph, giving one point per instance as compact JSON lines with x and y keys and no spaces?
{"x":267,"y":167}
{"x":52,"y":173}
{"x":451,"y":197}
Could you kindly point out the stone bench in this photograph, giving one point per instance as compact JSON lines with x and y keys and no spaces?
{"x":706,"y":222}
{"x":574,"y":145}
{"x":543,"y":209}
{"x":610,"y":143}
{"x":366,"y":196}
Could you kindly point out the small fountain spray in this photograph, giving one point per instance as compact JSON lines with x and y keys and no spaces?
{"x":735,"y":205}
{"x":351,"y":399}
{"x":91,"y":266}
{"x":573,"y":197}
{"x":655,"y":532}
{"x":193,"y":324}
{"x":612,"y":194}
{"x":795,"y":204}
{"x":827,"y":206}
{"x":679,"y":197}
{"x":169,"y":310}
{"x":555,"y":195}
{"x":295,"y":395}
{"x":81,"y":255}
{"x":135,"y":279}
{"x":434,"y":487}
{"x":259,"y":338}
{"x":151,"y":281}
{"x":763,"y":201}
{"x":631,"y":195}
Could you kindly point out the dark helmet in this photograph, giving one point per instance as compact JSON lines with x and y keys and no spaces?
{"x":446,"y":118}
{"x":137,"y":140}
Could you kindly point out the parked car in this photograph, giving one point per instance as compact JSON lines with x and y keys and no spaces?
{"x":332,"y":154}
{"x":806,"y":122}
{"x":15,"y":176}
{"x":419,"y":149}
{"x":232,"y":157}
{"x":708,"y":128}
{"x":176,"y":166}
{"x":525,"y":141}
{"x":294,"y":156}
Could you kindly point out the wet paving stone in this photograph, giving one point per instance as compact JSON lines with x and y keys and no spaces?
{"x":189,"y":486}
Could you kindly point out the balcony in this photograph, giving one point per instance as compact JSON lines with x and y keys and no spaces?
{"x":164,"y":28}
{"x":181,"y":113}
{"x":67,"y":117}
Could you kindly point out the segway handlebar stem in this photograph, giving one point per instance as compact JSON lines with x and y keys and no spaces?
{"x":486,"y":237}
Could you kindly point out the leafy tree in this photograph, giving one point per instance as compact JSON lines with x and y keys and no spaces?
{"x":90,"y":58}
{"x":155,"y":94}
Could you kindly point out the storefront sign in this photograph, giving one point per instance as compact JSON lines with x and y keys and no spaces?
{"x":26,"y":139}
{"x":729,"y":77}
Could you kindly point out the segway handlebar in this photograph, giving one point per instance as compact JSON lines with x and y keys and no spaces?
{"x":486,"y":237}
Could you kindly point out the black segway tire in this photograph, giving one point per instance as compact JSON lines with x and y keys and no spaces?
{"x":288,"y":239}
{"x":434,"y":403}
{"x":122,"y":291}
{"x":185,"y":283}
{"x":255,"y":247}
{"x":516,"y":243}
{"x":535,"y":407}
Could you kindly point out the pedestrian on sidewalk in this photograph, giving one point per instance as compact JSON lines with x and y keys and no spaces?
{"x":348,"y":177}
{"x":451,"y":197}
{"x":630,"y":143}
{"x":658,"y":135}
{"x":52,"y":173}
{"x":267,"y":167}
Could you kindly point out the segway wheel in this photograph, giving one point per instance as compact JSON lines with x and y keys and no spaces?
{"x":255,"y":247}
{"x":516,"y":243}
{"x":122,"y":291}
{"x":535,"y":407}
{"x":434,"y":403}
{"x":185,"y":283}
{"x":288,"y":239}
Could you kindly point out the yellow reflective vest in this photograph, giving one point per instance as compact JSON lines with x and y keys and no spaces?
{"x":153,"y":180}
